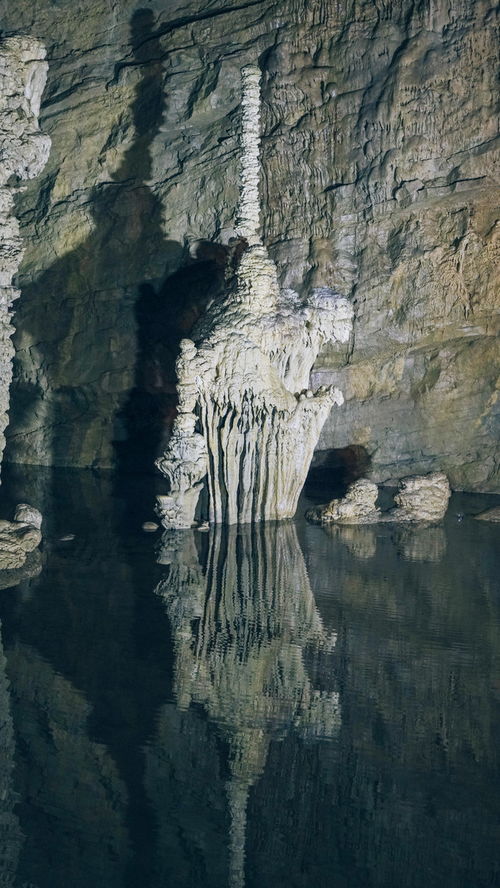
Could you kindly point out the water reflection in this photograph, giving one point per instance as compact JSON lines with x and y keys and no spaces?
{"x":10,"y":833}
{"x":282,"y":706}
{"x":413,"y":543}
{"x":243,"y":616}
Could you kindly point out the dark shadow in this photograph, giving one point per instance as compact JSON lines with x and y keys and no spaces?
{"x":118,"y":654}
{"x":163,"y":316}
{"x":332,"y":471}
{"x":79,"y":318}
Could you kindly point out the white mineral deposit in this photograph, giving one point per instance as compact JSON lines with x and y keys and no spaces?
{"x":247,"y":422}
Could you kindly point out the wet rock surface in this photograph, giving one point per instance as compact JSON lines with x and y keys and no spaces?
{"x":18,"y":539}
{"x":379,"y":151}
{"x":420,"y":499}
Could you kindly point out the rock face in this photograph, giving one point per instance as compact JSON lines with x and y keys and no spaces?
{"x":246,"y":418}
{"x":18,"y":539}
{"x":356,"y":507}
{"x":379,"y":152}
{"x":420,"y":499}
{"x":24,"y":151}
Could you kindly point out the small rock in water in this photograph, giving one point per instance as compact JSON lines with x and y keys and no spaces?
{"x":67,"y":538}
{"x":204,"y":527}
{"x":150,"y":526}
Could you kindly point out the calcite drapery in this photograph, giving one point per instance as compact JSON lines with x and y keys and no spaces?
{"x":24,"y":151}
{"x":247,"y":419}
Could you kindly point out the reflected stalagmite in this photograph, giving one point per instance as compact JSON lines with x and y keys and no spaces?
{"x":10,"y":832}
{"x":241,"y":624}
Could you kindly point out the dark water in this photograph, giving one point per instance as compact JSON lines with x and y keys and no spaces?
{"x":283,"y":706}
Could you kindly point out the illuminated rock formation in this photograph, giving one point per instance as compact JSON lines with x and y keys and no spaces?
{"x":18,"y":539}
{"x":247,"y":419}
{"x":24,"y":151}
{"x":420,"y":499}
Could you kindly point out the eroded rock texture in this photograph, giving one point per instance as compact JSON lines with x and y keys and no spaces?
{"x":379,"y":152}
{"x":420,"y":499}
{"x":23,"y":154}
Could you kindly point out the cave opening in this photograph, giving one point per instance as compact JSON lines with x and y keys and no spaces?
{"x":333,"y":470}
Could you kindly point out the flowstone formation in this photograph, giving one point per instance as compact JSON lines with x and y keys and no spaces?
{"x":420,"y":499}
{"x":247,"y":420}
{"x":24,"y":151}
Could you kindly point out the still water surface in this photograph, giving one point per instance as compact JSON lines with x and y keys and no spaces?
{"x":284,"y":707}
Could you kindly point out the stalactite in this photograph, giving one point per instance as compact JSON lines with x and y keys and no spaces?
{"x":247,"y":420}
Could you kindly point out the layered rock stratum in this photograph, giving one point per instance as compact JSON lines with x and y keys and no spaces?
{"x":379,"y":151}
{"x":23,"y":154}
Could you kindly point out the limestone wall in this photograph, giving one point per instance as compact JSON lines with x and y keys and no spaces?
{"x":379,"y":151}
{"x":24,"y":150}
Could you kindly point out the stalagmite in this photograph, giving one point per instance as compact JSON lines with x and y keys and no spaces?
{"x":24,"y":151}
{"x":247,"y":420}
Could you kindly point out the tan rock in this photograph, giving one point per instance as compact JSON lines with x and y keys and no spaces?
{"x":420,"y":499}
{"x":19,"y":538}
{"x":356,"y":507}
{"x":24,"y":152}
